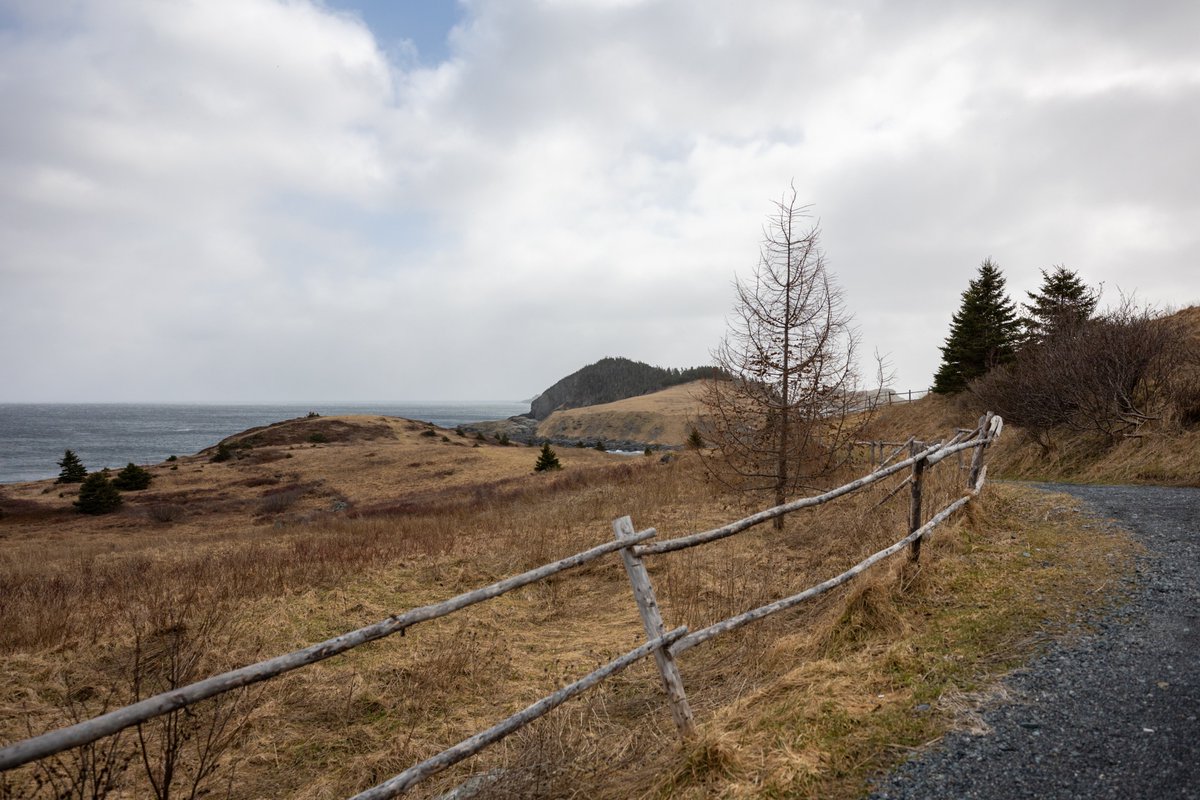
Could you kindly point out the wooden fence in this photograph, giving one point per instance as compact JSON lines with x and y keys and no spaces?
{"x":634,"y":547}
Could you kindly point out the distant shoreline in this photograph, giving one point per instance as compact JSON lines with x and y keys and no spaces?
{"x":33,"y":436}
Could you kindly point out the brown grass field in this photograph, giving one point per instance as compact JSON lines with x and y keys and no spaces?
{"x":294,"y":541}
{"x":663,"y":417}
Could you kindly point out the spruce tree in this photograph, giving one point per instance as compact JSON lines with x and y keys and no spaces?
{"x":547,"y":460}
{"x":984,"y":332}
{"x":73,"y":470}
{"x":1062,"y":302}
{"x":97,"y":495}
{"x":132,"y":478}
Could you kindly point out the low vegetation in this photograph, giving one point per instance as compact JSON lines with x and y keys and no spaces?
{"x":98,"y":495}
{"x":133,"y":478}
{"x":95,"y":612}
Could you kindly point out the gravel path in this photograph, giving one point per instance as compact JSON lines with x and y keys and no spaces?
{"x":1111,"y":714}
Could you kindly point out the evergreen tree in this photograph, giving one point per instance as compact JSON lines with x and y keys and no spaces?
{"x":132,"y":478}
{"x":984,"y":332}
{"x":1063,"y":302}
{"x":547,"y":460}
{"x":73,"y":470}
{"x":695,"y":440}
{"x":97,"y":495}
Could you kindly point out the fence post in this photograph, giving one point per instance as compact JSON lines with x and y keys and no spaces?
{"x":977,"y":460}
{"x":914,"y":503}
{"x":643,"y":593}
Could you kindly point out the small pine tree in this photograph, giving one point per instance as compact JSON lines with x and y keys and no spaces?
{"x":695,"y":440}
{"x":547,"y":460}
{"x":132,"y":478}
{"x":984,"y":332}
{"x":97,"y":495}
{"x":73,"y":470}
{"x":1063,"y":302}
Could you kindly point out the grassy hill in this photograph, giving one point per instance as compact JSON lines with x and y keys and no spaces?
{"x":315,"y":527}
{"x":663,"y":417}
{"x":608,"y":380}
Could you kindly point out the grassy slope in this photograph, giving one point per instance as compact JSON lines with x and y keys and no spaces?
{"x":1166,"y":455}
{"x":809,"y":703}
{"x":663,"y":417}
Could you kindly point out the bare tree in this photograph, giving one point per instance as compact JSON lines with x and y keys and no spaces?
{"x":783,"y":418}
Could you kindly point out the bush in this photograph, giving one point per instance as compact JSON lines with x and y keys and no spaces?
{"x":502,"y":438}
{"x":695,"y":440}
{"x":97,"y":495}
{"x":132,"y":478}
{"x":600,"y":446}
{"x":165,"y":512}
{"x":278,"y":500}
{"x":73,"y":470}
{"x":547,"y":460}
{"x":318,"y":438}
{"x":224,"y":453}
{"x":1107,"y":376}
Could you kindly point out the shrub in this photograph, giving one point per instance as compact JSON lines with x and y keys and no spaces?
{"x":1107,"y":376}
{"x":600,"y":446}
{"x":547,"y":460}
{"x":165,"y":512}
{"x":318,"y":438}
{"x":502,"y":438}
{"x":97,"y":495}
{"x":132,"y":478}
{"x":430,"y":432}
{"x":73,"y":470}
{"x":695,"y":440}
{"x":279,"y":500}
{"x":311,"y":415}
{"x":224,"y":453}
{"x":172,"y":458}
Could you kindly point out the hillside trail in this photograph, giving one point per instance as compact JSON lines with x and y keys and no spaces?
{"x":1109,"y":713}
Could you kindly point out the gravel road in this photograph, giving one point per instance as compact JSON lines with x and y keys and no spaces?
{"x":1110,"y":714}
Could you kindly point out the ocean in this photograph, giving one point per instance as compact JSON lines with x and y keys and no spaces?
{"x":33,"y":436}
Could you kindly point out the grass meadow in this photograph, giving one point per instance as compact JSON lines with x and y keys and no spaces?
{"x":321,"y":526}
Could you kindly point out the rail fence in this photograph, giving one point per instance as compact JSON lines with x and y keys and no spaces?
{"x":634,"y":546}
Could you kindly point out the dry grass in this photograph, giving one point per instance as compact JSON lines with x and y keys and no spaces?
{"x":1165,"y":454}
{"x":791,"y":706}
{"x":663,"y":417}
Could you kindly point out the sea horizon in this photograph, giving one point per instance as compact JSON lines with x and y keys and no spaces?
{"x":34,"y":436}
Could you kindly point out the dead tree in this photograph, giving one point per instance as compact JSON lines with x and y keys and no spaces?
{"x":782,"y":419}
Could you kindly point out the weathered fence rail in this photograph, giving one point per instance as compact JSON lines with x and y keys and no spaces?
{"x":664,"y":646}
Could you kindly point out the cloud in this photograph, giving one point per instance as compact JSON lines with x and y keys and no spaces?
{"x":251,"y":199}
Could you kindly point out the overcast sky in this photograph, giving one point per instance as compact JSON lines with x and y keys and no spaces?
{"x":260,"y":200}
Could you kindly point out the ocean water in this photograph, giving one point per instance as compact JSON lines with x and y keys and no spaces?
{"x":33,"y":436}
